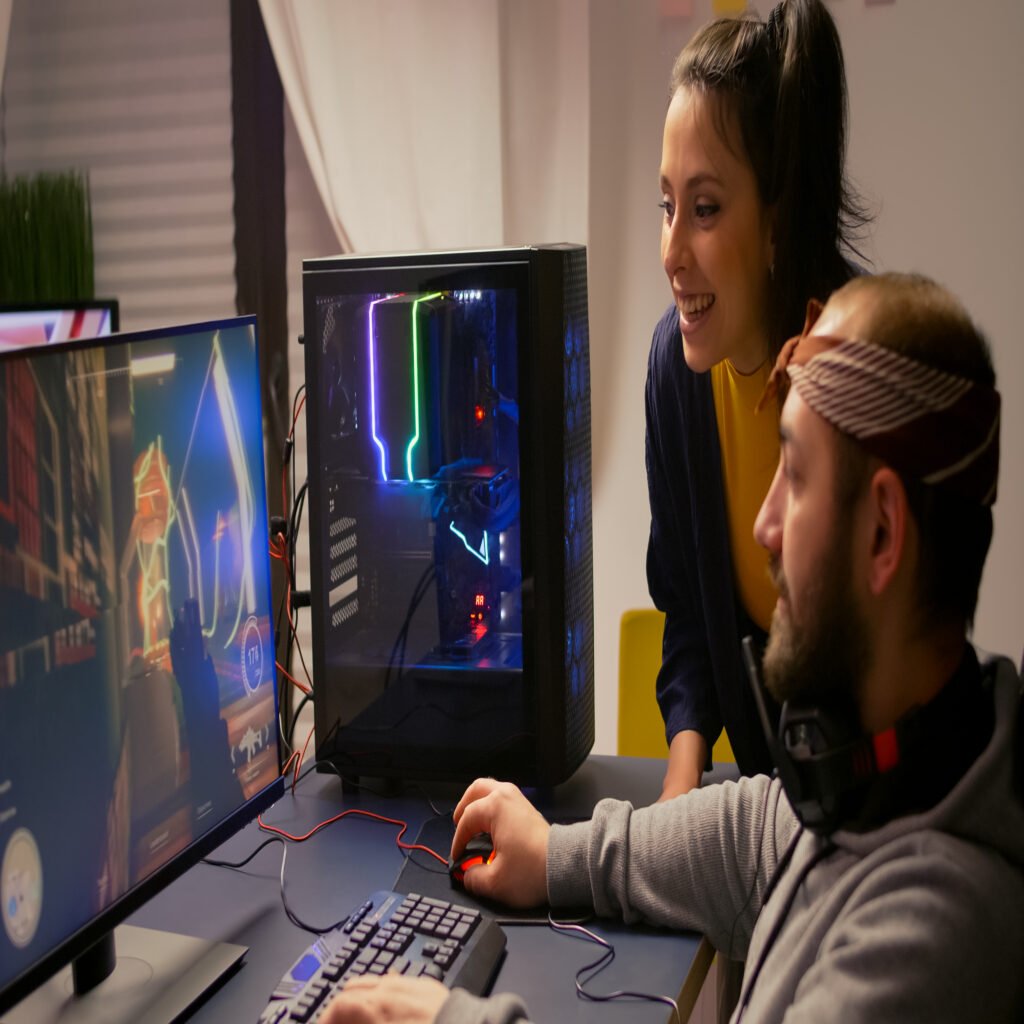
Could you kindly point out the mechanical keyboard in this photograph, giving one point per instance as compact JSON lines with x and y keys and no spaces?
{"x":391,"y":932}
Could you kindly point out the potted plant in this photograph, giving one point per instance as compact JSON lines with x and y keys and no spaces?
{"x":45,"y":238}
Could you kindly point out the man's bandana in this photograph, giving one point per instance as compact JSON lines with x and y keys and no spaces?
{"x":933,"y":426}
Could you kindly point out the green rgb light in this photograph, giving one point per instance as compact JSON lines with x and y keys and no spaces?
{"x":416,"y":380}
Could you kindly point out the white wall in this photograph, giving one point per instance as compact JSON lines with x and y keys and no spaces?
{"x":937,"y":143}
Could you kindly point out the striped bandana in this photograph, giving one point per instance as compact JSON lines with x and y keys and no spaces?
{"x":934,"y":426}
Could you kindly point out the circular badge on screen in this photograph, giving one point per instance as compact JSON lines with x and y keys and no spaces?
{"x":21,"y":887}
{"x":252,"y":654}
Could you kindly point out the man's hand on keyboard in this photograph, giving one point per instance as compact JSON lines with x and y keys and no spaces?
{"x":517,"y":876}
{"x":371,"y":999}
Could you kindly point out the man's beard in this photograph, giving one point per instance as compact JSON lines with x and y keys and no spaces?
{"x":822,"y":660}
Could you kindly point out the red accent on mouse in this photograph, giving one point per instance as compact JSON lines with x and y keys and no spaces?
{"x":479,"y":850}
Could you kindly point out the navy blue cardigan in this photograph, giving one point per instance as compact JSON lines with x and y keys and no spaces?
{"x":702,"y":684}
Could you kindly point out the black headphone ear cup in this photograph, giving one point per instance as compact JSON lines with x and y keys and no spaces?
{"x":819,"y":756}
{"x":828,"y":759}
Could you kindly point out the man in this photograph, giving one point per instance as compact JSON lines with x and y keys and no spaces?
{"x":881,"y":876}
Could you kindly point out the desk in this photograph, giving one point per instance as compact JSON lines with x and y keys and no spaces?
{"x":329,"y":875}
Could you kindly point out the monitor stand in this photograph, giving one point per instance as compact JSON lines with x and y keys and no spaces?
{"x":157,"y":977}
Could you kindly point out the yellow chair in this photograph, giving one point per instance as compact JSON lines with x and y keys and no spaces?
{"x":641,"y":728}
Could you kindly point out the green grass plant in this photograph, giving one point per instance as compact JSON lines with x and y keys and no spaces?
{"x":45,"y":238}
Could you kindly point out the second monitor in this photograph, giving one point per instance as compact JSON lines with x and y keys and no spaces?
{"x":448,"y":417}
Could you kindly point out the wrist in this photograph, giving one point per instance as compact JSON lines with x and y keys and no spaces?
{"x":687,"y":755}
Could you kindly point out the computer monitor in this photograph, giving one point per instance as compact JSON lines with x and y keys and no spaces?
{"x":448,"y":427}
{"x":138,"y":705}
{"x":47,"y":323}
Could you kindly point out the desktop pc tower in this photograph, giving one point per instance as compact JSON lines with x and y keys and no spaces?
{"x":448,"y":424}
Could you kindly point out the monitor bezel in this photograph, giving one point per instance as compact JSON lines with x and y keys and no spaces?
{"x":104,"y":922}
{"x":113,"y":306}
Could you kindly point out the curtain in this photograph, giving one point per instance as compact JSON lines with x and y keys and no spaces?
{"x":454,"y":123}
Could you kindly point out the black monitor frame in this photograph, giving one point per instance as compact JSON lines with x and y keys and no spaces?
{"x":113,"y":306}
{"x":92,"y":944}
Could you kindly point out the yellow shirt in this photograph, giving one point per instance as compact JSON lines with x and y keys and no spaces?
{"x":750,"y":453}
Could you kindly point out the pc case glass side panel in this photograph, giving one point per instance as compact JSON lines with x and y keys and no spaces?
{"x":417,"y":516}
{"x":137,"y":699}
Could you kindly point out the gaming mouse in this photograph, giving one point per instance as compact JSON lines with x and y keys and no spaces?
{"x":479,"y":850}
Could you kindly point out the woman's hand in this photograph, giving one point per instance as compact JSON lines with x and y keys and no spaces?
{"x":687,"y":755}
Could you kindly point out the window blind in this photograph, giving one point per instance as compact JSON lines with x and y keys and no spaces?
{"x":137,"y":94}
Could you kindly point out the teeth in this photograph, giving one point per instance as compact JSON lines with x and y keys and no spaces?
{"x":694,"y":304}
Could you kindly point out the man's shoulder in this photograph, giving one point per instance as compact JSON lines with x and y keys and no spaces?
{"x":935,"y":921}
{"x":962,"y":877}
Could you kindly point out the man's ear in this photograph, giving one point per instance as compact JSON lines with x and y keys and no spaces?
{"x":889,"y":522}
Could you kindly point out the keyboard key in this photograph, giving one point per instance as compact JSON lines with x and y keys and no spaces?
{"x":332,"y":972}
{"x":400,"y":966}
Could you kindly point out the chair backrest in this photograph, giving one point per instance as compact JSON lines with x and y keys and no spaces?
{"x":641,"y":728}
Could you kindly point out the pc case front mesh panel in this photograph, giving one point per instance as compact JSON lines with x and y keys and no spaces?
{"x":579,"y":592}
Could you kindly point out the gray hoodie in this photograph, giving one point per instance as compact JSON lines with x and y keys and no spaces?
{"x":921,"y":919}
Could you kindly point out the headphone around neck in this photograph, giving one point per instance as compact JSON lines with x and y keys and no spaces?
{"x":819,"y":757}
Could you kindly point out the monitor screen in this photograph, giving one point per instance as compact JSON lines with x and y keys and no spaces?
{"x":138,"y":706}
{"x":49,"y":323}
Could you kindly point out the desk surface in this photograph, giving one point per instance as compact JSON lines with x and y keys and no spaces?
{"x":329,"y":875}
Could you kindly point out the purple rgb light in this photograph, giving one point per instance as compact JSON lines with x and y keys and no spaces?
{"x":373,"y":388}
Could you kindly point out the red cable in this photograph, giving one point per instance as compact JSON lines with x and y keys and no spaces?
{"x":279,"y":550}
{"x":366,"y":814}
{"x":291,"y":679}
{"x":298,"y":409}
{"x":298,"y":764}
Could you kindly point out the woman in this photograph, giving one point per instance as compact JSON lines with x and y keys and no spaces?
{"x":757,"y":216}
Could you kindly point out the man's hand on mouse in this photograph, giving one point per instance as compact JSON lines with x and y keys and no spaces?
{"x":517,"y":876}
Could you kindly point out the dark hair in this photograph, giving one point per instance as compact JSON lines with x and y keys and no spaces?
{"x":914,"y":316}
{"x":782,"y":84}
